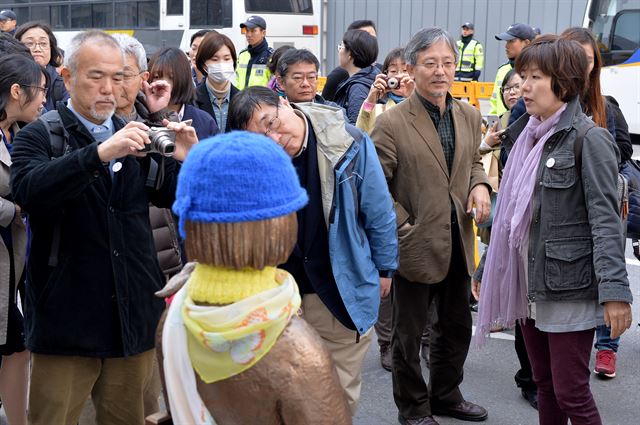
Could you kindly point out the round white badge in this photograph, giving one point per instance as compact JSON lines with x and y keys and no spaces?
{"x":551,"y":162}
{"x":117,"y":166}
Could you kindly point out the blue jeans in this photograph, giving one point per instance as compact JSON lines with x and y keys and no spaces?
{"x":604,"y":341}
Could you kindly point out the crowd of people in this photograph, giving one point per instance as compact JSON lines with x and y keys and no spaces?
{"x":94,"y":140}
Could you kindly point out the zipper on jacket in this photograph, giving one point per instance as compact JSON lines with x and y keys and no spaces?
{"x":357,"y":337}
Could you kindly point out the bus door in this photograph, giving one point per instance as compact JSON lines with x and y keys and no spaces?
{"x":173,"y":14}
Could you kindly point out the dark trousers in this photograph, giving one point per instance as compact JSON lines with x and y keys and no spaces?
{"x":560,"y":363}
{"x":450,"y":337}
{"x":524,"y":377}
{"x":383,"y":325}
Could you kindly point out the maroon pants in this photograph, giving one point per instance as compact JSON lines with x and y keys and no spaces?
{"x":560,"y":363}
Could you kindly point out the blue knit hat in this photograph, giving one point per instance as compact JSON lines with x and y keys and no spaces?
{"x":237,"y":177}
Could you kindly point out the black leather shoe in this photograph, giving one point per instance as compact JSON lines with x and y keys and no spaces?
{"x":425,"y":420}
{"x":385,"y":357}
{"x":531,"y":396}
{"x":465,"y":411}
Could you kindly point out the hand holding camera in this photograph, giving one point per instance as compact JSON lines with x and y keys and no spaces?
{"x":383,"y":84}
{"x":130,"y":140}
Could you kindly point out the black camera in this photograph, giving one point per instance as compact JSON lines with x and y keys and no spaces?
{"x":393,"y":83}
{"x":163,"y":141}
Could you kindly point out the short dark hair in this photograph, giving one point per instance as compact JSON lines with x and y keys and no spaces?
{"x":173,"y":63}
{"x":292,"y":57}
{"x":563,"y":60}
{"x":210,"y":45}
{"x":19,"y":69}
{"x":394,"y":54}
{"x":200,"y":33}
{"x":245,"y":102}
{"x":361,"y":23}
{"x":505,"y":81}
{"x":56,"y":54}
{"x":9,"y":45}
{"x":362,"y":46}
{"x":272,"y":63}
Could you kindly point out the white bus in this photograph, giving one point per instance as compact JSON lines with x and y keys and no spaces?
{"x":616,"y":25}
{"x":160,"y":23}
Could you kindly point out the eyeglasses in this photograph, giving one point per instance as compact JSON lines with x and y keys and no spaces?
{"x":44,"y":90}
{"x":299,"y":78}
{"x":128,"y":76}
{"x":42,"y":44}
{"x":273,"y":125}
{"x":433,"y":65}
{"x":507,"y":89}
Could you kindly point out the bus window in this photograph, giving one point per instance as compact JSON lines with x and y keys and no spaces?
{"x":270,"y":6}
{"x":211,"y":13}
{"x":626,"y":33}
{"x":140,"y":14}
{"x":174,"y":7}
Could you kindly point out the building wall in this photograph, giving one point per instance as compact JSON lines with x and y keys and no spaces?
{"x":397,"y":20}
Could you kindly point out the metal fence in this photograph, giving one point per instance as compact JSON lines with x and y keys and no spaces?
{"x":397,"y":20}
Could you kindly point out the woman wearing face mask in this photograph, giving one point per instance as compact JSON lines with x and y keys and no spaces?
{"x":39,"y":38}
{"x":376,"y":103}
{"x":171,"y":65}
{"x":23,"y":87}
{"x":217,"y":60}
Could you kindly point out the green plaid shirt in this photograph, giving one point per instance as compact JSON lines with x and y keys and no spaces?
{"x":444,"y":124}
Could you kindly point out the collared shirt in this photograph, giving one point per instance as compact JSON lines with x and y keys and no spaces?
{"x":220,"y":110}
{"x":100,"y":132}
{"x":444,"y":124}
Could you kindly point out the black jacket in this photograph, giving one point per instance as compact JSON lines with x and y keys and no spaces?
{"x":203,"y":101}
{"x":352,"y":92}
{"x":98,"y":301}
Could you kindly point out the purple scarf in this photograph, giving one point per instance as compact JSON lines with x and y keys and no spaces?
{"x":503,"y":293}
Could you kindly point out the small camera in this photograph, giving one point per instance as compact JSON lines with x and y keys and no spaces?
{"x":163,"y":141}
{"x":393,"y":83}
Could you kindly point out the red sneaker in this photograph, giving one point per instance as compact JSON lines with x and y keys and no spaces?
{"x":605,"y":364}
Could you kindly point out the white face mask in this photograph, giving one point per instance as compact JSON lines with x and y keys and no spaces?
{"x":221,"y":72}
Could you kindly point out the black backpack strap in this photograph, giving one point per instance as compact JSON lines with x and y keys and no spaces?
{"x":577,"y":147}
{"x":59,"y":147}
{"x":57,"y":134}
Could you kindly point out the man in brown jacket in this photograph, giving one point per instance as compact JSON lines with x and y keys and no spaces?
{"x":428,"y":148}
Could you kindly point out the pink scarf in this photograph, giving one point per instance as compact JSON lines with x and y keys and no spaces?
{"x":503,"y":294}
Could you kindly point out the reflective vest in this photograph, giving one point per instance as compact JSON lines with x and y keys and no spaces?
{"x":497,"y":107}
{"x":259,"y":75}
{"x":471,"y":58}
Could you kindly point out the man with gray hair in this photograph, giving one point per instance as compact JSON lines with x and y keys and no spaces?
{"x":91,"y":314}
{"x":428,"y":148}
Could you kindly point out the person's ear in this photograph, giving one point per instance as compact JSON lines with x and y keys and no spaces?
{"x":145,"y":76}
{"x":285,"y":103}
{"x":15,"y":91}
{"x":280,"y":80}
{"x":66,"y":76}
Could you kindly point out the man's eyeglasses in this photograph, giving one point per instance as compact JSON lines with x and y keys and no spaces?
{"x":44,"y":90}
{"x":128,"y":76}
{"x":31,"y":44}
{"x":273,"y":125}
{"x":433,"y":65}
{"x":299,"y":78}
{"x":507,"y":89}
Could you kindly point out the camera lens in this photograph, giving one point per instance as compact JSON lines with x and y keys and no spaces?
{"x":393,"y":83}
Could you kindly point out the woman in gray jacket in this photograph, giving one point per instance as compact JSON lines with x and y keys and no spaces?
{"x":556,"y":258}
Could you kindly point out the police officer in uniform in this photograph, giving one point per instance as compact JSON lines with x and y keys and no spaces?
{"x":252,"y":61}
{"x":471,"y":58}
{"x":517,"y":36}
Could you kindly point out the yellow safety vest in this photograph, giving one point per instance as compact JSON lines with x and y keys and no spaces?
{"x":259,"y":74}
{"x":471,"y":56}
{"x":497,"y":108}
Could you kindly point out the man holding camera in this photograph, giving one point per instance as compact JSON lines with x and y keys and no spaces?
{"x":91,"y":312}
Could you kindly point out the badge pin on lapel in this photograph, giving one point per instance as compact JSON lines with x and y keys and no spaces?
{"x":551,"y":162}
